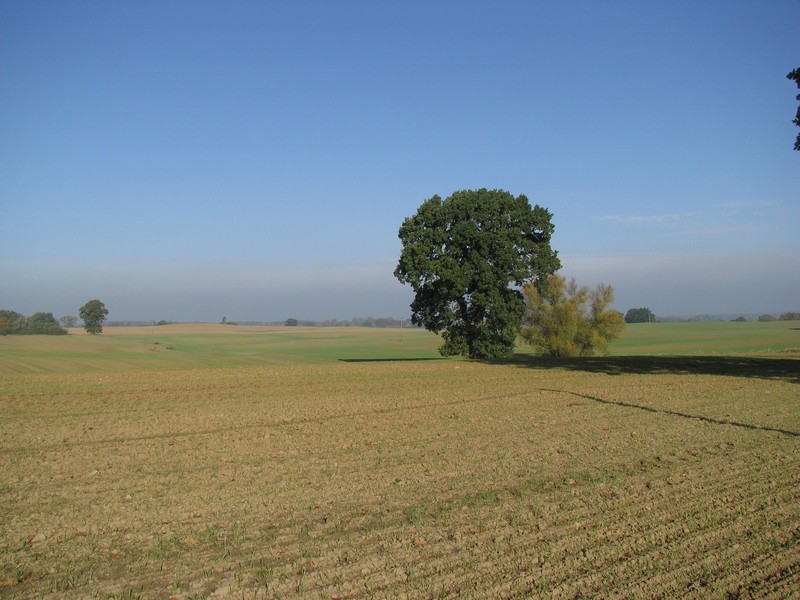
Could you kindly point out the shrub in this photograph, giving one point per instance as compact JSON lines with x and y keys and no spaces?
{"x":567,"y":320}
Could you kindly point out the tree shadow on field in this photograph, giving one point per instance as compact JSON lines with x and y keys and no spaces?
{"x":787,"y":369}
{"x":683,"y":415}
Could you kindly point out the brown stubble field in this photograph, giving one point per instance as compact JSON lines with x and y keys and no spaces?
{"x":416,"y":479}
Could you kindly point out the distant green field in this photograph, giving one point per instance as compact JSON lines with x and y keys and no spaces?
{"x":193,"y":347}
{"x":704,"y":338}
{"x":204,"y":346}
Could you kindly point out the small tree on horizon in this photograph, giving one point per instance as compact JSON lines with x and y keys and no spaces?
{"x":639,"y":315}
{"x":68,"y":321}
{"x":93,"y":313}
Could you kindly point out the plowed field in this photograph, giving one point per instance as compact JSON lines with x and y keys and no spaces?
{"x":416,"y":479}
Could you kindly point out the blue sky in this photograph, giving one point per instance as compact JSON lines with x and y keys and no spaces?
{"x":193,"y":160}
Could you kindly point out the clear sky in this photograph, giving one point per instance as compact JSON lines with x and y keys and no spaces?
{"x":189,"y":160}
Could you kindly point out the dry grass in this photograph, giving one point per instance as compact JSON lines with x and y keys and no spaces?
{"x":388,"y":479}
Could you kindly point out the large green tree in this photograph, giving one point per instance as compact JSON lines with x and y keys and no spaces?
{"x":465,"y":258}
{"x":93,"y":313}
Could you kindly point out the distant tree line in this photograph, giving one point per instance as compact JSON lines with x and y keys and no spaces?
{"x":640,"y":315}
{"x":40,"y":323}
{"x":138,"y":323}
{"x":787,"y":316}
{"x":767,"y":318}
{"x":354,"y":322}
{"x":644,"y":315}
{"x":93,"y":314}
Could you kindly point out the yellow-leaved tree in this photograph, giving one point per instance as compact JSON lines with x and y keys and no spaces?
{"x":567,"y":320}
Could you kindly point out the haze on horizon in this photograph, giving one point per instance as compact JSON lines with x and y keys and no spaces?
{"x":188,"y":161}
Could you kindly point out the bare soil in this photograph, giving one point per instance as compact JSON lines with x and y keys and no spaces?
{"x":429,"y":479}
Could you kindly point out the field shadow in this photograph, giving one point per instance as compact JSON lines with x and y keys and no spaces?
{"x":675,"y":413}
{"x":787,"y":369}
{"x":364,"y":360}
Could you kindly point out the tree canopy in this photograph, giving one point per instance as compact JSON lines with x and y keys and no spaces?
{"x":465,"y":258}
{"x":795,"y":76}
{"x":564,"y":319}
{"x":46,"y":323}
{"x":12,"y":322}
{"x":68,"y":321}
{"x":639,"y":315}
{"x":93,"y":313}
